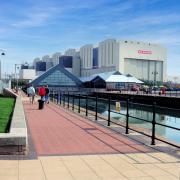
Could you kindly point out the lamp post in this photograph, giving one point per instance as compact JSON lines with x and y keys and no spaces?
{"x":155,"y":74}
{"x":18,"y":66}
{"x":16,"y":75}
{"x":2,"y":54}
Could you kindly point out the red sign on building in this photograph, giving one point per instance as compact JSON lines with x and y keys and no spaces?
{"x":144,"y":52}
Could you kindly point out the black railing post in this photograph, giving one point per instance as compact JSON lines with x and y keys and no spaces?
{"x":68,"y":99}
{"x":109,"y":110}
{"x":53,"y":97}
{"x":86,"y":105}
{"x":57,"y":97}
{"x":96,"y":107}
{"x":153,"y":124}
{"x":79,"y":104}
{"x":60,"y":98}
{"x":73,"y":102}
{"x":64,"y":99}
{"x":127,"y":117}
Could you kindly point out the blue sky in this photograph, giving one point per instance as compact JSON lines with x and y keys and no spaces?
{"x":33,"y":28}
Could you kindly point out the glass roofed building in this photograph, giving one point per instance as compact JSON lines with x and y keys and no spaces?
{"x":57,"y":77}
{"x":110,"y":81}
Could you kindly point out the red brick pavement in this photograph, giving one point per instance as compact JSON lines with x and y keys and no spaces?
{"x":58,"y":132}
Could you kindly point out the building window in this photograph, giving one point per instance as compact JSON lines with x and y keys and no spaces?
{"x":119,"y":85}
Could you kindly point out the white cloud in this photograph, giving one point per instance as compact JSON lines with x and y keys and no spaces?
{"x":37,"y":16}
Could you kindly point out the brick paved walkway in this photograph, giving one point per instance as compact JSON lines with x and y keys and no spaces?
{"x":55,"y":131}
{"x":58,"y":132}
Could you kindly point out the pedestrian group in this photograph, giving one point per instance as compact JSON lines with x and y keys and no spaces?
{"x":43,"y":92}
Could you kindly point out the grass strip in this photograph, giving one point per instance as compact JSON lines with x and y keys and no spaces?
{"x":6,"y":111}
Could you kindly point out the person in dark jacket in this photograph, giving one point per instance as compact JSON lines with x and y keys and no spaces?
{"x":47,"y":95}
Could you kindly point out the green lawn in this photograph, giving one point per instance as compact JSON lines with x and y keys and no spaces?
{"x":6,"y":110}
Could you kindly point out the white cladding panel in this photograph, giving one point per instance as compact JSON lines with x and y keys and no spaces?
{"x":143,"y":60}
{"x":55,"y":58}
{"x":86,"y":56}
{"x":107,"y":54}
{"x":140,"y":50}
{"x":27,"y":74}
{"x":144,"y":69}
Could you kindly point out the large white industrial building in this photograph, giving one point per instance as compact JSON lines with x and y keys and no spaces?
{"x":145,"y":61}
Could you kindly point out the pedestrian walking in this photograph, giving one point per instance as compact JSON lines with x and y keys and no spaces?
{"x":47,"y":95}
{"x":31,"y":93}
{"x":42,"y":92}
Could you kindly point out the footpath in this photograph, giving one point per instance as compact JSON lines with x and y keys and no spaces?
{"x":66,"y":146}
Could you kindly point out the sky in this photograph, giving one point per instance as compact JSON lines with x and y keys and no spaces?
{"x":34,"y":28}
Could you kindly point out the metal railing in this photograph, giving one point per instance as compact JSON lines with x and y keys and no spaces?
{"x":63,"y":99}
{"x":171,"y":93}
{"x":167,"y":93}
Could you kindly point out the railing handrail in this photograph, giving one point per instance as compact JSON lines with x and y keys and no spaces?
{"x":96,"y":98}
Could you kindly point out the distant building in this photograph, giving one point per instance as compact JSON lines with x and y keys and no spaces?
{"x":71,"y":52}
{"x":145,"y":61}
{"x":71,"y":63}
{"x":48,"y":61}
{"x":28,"y":74}
{"x":55,"y":58}
{"x":24,"y":66}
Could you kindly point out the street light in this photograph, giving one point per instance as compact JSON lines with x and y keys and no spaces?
{"x":155,"y":74}
{"x":2,"y":54}
{"x":16,"y":75}
{"x":17,"y":66}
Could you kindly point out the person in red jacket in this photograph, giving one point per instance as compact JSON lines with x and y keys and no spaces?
{"x":42,"y":92}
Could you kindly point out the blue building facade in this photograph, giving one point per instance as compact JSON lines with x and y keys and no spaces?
{"x":40,"y":66}
{"x":66,"y":61}
{"x":95,"y":58}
